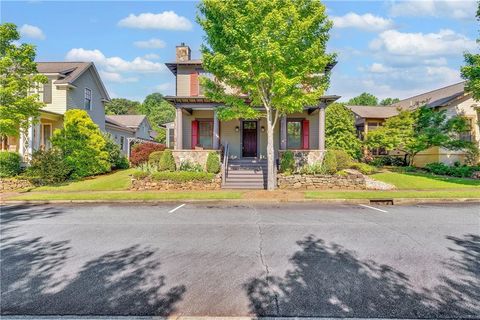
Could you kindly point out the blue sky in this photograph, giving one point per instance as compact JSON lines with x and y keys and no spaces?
{"x":388,"y":48}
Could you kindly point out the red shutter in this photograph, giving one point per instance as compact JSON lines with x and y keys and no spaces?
{"x":305,"y":134}
{"x":194,"y":84}
{"x":194,"y":133}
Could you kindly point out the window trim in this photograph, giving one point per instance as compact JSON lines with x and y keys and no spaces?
{"x":85,"y":99}
{"x":42,"y":134}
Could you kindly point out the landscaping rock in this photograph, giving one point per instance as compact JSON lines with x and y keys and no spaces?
{"x":147,"y":184}
{"x":476,"y":175}
{"x":353,"y":180}
{"x":12,"y":184}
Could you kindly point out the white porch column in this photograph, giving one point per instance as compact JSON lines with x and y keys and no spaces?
{"x":179,"y":129}
{"x":321,"y":127}
{"x":283,"y":133}
{"x":216,"y":131}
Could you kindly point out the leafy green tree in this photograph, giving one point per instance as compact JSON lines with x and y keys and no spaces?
{"x":415,"y":131}
{"x":389,"y":101}
{"x":158,"y":111}
{"x":340,"y":130}
{"x":272,"y":52}
{"x":119,"y":106}
{"x":82,"y":144}
{"x":365,"y":99}
{"x":18,"y":78}
{"x":471,"y":70}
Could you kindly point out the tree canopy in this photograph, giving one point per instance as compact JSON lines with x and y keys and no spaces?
{"x":158,"y":111}
{"x":364,"y":99}
{"x":389,"y":101}
{"x":415,"y":131}
{"x":271,"y":52}
{"x":340,"y":130}
{"x":471,"y":70}
{"x":120,"y":106}
{"x":19,"y":79}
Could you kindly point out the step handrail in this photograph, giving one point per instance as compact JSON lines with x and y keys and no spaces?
{"x":225,"y":164}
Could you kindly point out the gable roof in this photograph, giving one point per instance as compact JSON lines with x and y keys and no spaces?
{"x":375,"y":112}
{"x":129,"y":121}
{"x":117,"y":125}
{"x":71,"y":71}
{"x":435,"y":98}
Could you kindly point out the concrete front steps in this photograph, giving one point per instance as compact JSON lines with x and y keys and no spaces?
{"x":246,"y":174}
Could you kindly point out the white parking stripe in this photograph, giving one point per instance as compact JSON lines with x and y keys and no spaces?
{"x":373,"y":208}
{"x":175,"y":209}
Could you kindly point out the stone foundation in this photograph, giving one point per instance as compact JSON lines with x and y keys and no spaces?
{"x":193,"y":156}
{"x":7,"y":185}
{"x":304,"y":157}
{"x":166,"y":185}
{"x":351,"y":181}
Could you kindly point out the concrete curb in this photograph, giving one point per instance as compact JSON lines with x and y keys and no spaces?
{"x":396,"y":201}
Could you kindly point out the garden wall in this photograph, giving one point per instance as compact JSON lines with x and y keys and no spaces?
{"x":165,"y":185}
{"x":7,"y":185}
{"x":193,"y":156}
{"x":350,"y":181}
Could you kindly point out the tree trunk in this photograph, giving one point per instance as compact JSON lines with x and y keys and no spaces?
{"x":271,"y":172}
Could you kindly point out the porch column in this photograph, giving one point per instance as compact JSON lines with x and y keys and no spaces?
{"x":321,"y":127}
{"x":216,"y":131}
{"x":283,"y":133}
{"x":179,"y":129}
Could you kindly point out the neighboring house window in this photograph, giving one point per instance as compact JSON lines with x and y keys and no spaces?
{"x":205,"y":134}
{"x":88,"y":99}
{"x":122,"y":142}
{"x":171,"y":135}
{"x":47,"y":91}
{"x":294,"y":134}
{"x":45,"y":136}
{"x":468,"y":134}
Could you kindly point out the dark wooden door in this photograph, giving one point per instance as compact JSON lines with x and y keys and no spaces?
{"x":249,"y":138}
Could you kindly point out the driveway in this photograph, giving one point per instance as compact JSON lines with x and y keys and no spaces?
{"x":212,"y":259}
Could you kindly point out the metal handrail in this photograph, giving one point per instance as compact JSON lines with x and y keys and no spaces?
{"x":225,"y":164}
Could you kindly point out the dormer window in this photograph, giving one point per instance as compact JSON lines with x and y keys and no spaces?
{"x":88,"y":99}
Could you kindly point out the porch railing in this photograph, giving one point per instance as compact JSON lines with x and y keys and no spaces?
{"x":225,"y":164}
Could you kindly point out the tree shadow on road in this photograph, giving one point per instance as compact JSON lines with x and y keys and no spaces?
{"x":330,"y":281}
{"x":123,"y":282}
{"x":11,"y":215}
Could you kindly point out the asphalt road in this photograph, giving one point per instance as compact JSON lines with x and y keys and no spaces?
{"x":241,"y":260}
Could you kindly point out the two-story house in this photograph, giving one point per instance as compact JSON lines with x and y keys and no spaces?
{"x":197,"y":127}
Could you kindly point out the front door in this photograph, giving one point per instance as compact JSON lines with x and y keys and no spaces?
{"x":249,"y":138}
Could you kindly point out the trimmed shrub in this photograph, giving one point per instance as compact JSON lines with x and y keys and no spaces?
{"x":140,"y":174}
{"x":9,"y":164}
{"x":213,"y":163}
{"x":154,"y":158}
{"x":115,"y":157}
{"x":344,"y":160}
{"x":287,"y":163}
{"x":395,"y":161}
{"x":455,"y":171}
{"x":167,"y":162}
{"x":48,"y":167}
{"x":191,"y":167}
{"x":82,"y":145}
{"x":363,"y":168}
{"x":329,"y":164}
{"x":141,"y":152}
{"x":183,"y":176}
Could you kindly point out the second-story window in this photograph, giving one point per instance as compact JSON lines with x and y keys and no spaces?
{"x":88,"y":99}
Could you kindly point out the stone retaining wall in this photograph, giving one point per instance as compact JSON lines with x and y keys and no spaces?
{"x":351,"y":181}
{"x":11,"y":184}
{"x":165,"y":185}
{"x":304,"y":157}
{"x":193,"y":156}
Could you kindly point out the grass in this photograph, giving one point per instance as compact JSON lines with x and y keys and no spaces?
{"x":439,"y":194}
{"x":126,"y":195}
{"x":117,"y":181}
{"x":425,"y":181}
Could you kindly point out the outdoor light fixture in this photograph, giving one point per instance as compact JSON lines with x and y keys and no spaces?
{"x":263,"y":129}
{"x":237,"y":129}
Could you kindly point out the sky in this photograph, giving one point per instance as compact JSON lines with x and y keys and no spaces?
{"x":387,"y":48}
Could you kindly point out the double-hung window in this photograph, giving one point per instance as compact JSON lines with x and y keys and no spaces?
{"x":294,"y":134}
{"x":88,"y":99}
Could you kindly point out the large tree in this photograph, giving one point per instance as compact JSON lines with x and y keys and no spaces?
{"x":19,"y":79}
{"x":415,"y":131}
{"x":158,"y":111}
{"x":120,"y":106}
{"x":340,"y":130}
{"x":471,"y":70}
{"x":364,"y":99}
{"x":389,"y":101}
{"x":272,"y":52}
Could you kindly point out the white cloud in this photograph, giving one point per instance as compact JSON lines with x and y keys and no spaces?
{"x":33,"y":32}
{"x":445,"y":42}
{"x":167,"y":20}
{"x":115,"y":64}
{"x":367,"y":22}
{"x":164,"y":88}
{"x":458,"y":9}
{"x":378,"y":68}
{"x":150,"y":44}
{"x":116,"y":77}
{"x":151,"y":56}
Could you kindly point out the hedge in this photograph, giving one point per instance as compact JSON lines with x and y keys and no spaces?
{"x":183,"y":176}
{"x":9,"y":164}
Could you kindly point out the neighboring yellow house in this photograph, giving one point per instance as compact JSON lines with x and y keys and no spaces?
{"x":452,"y":98}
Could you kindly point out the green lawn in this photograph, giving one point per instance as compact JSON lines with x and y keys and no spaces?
{"x":127,"y":195}
{"x":119,"y":180}
{"x":438,"y":194}
{"x":424,"y":181}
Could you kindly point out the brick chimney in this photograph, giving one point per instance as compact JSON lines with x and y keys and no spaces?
{"x":183,"y":52}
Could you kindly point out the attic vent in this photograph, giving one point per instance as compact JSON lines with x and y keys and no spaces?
{"x":382,"y":202}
